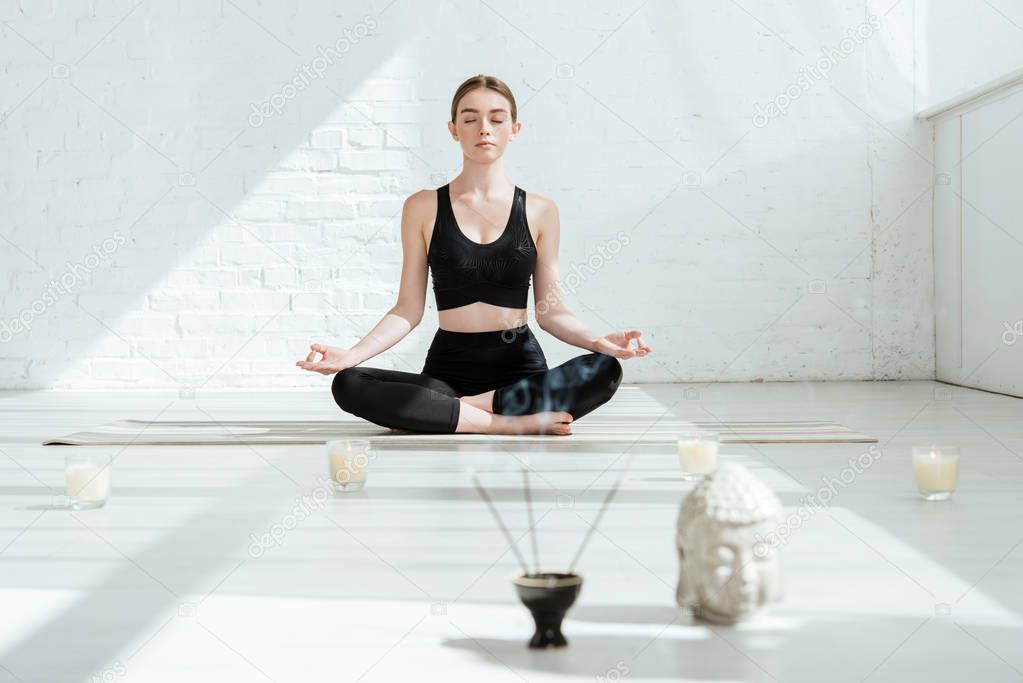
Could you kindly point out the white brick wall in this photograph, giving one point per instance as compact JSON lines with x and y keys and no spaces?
{"x":797,"y":249}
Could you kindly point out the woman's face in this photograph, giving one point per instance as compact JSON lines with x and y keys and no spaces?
{"x":483,"y":116}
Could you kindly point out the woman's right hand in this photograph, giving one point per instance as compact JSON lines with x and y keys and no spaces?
{"x":333,"y":359}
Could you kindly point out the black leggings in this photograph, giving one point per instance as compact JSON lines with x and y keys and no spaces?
{"x":467,"y":363}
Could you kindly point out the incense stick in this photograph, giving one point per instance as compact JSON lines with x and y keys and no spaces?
{"x":607,"y":499}
{"x":507,"y":534}
{"x":532,"y":526}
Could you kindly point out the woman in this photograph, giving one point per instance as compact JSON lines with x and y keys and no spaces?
{"x":485,"y":371}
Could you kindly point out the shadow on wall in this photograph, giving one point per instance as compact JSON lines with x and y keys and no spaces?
{"x":163,"y":139}
{"x":143,"y":138}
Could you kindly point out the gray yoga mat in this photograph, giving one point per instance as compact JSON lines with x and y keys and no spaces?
{"x":234,"y":432}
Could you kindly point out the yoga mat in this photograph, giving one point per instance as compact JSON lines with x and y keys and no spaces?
{"x":233,"y":432}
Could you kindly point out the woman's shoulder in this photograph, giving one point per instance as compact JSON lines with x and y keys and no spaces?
{"x":418,"y":212}
{"x":539,"y":199}
{"x":425,"y":195}
{"x":541,"y":211}
{"x":540,"y":203}
{"x":422,"y":202}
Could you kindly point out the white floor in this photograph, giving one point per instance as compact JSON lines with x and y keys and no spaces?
{"x":227,"y":563}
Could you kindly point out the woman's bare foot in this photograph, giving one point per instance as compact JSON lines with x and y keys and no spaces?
{"x":395,"y":430}
{"x":484,"y":401}
{"x":474,"y":420}
{"x":551,"y":422}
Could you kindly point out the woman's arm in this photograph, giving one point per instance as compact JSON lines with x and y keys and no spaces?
{"x":403,"y":317}
{"x":407,"y":313}
{"x":551,"y":314}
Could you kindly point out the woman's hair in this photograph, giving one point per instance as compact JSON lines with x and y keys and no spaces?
{"x":482,"y":81}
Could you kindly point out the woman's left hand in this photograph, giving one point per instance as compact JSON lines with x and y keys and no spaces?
{"x":617,"y":344}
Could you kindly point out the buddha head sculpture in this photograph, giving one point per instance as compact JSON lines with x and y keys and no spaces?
{"x":728,"y":572}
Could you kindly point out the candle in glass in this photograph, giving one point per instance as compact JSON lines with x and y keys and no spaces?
{"x":697,"y":453}
{"x":936,"y":469}
{"x":87,"y":478}
{"x":348,"y":460}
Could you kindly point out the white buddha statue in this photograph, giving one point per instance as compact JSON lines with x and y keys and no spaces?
{"x":727,"y":571}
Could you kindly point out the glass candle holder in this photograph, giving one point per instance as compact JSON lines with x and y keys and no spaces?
{"x":936,"y":469}
{"x":348,"y":460}
{"x":697,"y":453}
{"x":87,"y":478}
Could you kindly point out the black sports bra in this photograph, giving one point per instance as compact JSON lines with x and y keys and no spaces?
{"x":465,"y":271}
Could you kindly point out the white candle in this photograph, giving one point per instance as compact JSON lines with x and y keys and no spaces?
{"x":87,"y":479}
{"x":936,"y":469}
{"x":698,"y":453}
{"x":348,"y":461}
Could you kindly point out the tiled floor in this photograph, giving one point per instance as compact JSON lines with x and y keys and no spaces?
{"x":228,"y":563}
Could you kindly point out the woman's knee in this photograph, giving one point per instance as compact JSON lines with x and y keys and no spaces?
{"x":603,"y":375}
{"x":609,"y":370}
{"x":346,"y":388}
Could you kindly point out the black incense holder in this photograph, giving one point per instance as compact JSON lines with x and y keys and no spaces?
{"x":548,"y":596}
